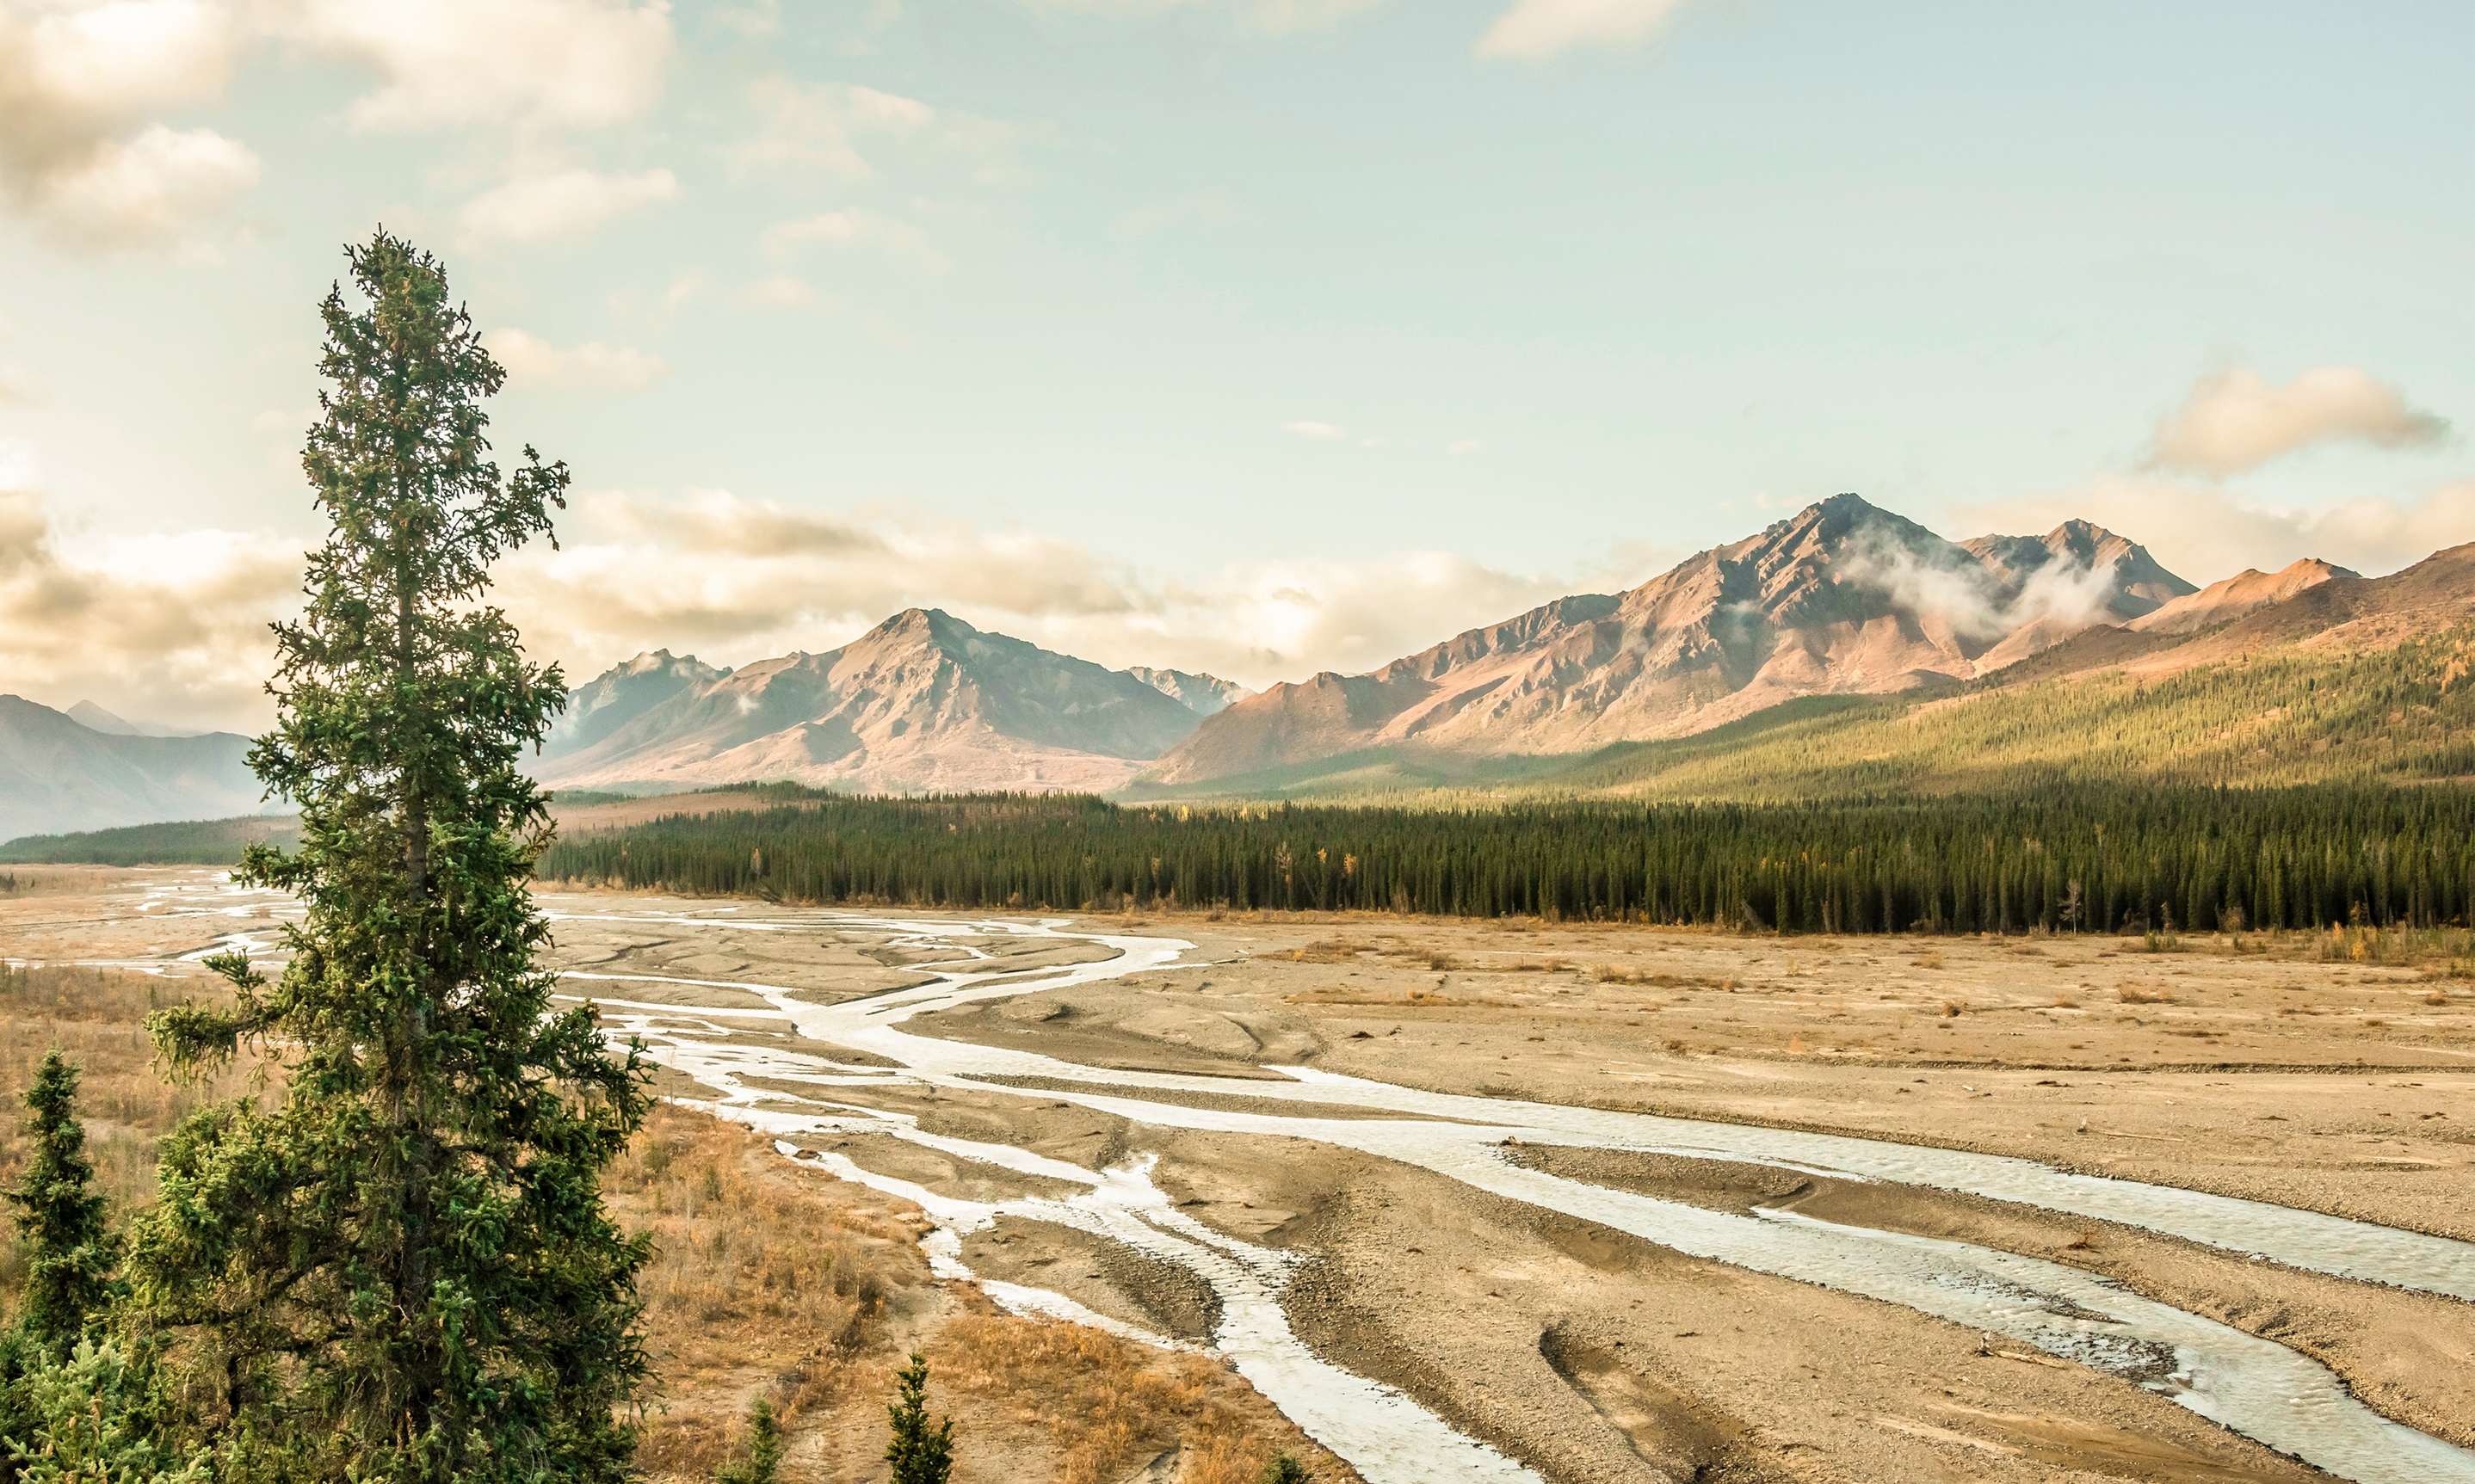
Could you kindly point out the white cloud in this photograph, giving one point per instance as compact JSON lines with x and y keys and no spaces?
{"x":2236,"y":419}
{"x":146,"y":192}
{"x":166,"y":626}
{"x":821,"y":125}
{"x":567,"y":204}
{"x":543,"y":63}
{"x":173,"y":627}
{"x":1211,"y":206}
{"x":78,"y":84}
{"x":2203,"y":534}
{"x":1460,"y":446}
{"x":1311,"y":429}
{"x":1537,"y":29}
{"x":897,"y":241}
{"x":735,"y":580}
{"x":591,"y":367}
{"x":787,"y":291}
{"x":1253,"y":17}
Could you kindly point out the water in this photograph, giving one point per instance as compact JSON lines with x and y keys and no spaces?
{"x":2251,"y":1385}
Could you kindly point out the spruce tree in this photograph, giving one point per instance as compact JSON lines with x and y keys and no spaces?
{"x":919,"y":1454}
{"x":764,"y":1455}
{"x":69,"y":1254}
{"x":403,"y":1271}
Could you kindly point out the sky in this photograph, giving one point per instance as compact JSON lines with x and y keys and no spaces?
{"x":1253,"y":336}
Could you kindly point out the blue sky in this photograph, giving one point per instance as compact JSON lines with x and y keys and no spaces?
{"x":1260,"y":336}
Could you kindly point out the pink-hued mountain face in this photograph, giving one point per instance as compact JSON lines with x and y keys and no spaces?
{"x":1842,"y":598}
{"x":921,"y":702}
{"x":2221,"y":601}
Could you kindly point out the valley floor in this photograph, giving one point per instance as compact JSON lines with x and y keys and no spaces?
{"x":1580,"y":1203}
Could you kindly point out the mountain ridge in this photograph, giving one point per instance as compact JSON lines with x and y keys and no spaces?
{"x":1841,"y":598}
{"x":59,"y":775}
{"x":922,"y":701}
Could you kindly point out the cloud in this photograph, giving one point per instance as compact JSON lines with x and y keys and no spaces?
{"x":1273,"y":19}
{"x":1460,"y":446}
{"x":736,"y":580}
{"x":1211,"y":206}
{"x":567,"y":204}
{"x":172,"y":627}
{"x":590,"y":367}
{"x":897,"y":241}
{"x":2203,"y":534}
{"x":78,"y":84}
{"x":806,"y":126}
{"x":542,"y":64}
{"x":2235,"y":420}
{"x":1311,"y":429}
{"x":787,"y":291}
{"x":1538,"y":29}
{"x":146,"y":192}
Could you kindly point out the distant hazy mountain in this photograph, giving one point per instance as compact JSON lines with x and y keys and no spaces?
{"x":921,"y":702}
{"x":1840,"y":598}
{"x":94,"y":719}
{"x":58,"y":774}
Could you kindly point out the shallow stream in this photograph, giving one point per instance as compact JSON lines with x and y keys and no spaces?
{"x":2251,"y":1385}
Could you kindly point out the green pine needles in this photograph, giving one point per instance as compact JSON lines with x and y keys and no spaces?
{"x":404,"y":1269}
{"x":919,"y":1454}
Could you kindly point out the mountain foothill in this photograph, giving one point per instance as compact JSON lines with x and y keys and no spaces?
{"x":1841,"y":600}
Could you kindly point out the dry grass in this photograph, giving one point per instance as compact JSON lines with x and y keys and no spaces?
{"x":1343,"y":994}
{"x":97,"y":1018}
{"x":1107,"y":1406}
{"x":1634,"y":974}
{"x":1329,"y":950}
{"x":2133,"y":994}
{"x":2066,"y":1002}
{"x":756,"y":1284}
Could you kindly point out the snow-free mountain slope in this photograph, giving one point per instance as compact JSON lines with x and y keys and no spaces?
{"x":2224,"y":601}
{"x":1206,"y":695}
{"x":1841,"y":598}
{"x":921,"y":702}
{"x":57,"y":775}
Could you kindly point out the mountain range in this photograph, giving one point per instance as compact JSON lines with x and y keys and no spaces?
{"x":60,"y":773}
{"x":1840,"y":603}
{"x":923,"y":702}
{"x":1840,"y":598}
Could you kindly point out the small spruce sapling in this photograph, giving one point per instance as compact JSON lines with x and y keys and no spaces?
{"x":921,"y":1454}
{"x":69,"y":1255}
{"x":764,"y":1455}
{"x":1285,"y":1470}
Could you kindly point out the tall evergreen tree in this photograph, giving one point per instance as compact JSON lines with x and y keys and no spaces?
{"x":404,"y":1272}
{"x":69,"y":1255}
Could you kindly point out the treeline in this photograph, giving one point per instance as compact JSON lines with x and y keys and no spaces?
{"x":180,"y":843}
{"x":2096,"y":860}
